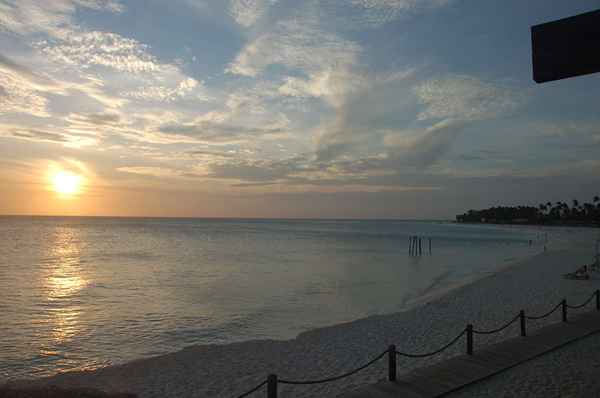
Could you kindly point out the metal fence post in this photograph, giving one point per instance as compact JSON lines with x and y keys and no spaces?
{"x":470,"y":339}
{"x":564,"y":310}
{"x":598,"y":300}
{"x":392,"y":363}
{"x":272,"y":386}
{"x":523,"y":326}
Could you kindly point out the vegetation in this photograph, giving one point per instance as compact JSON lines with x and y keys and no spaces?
{"x":559,"y":213}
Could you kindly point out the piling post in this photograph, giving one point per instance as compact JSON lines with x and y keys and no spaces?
{"x":429,"y":245}
{"x":597,"y":299}
{"x":392,"y":363}
{"x":564,"y":310}
{"x":470,"y":339}
{"x":272,"y":386}
{"x":420,"y":247}
{"x":523,"y":326}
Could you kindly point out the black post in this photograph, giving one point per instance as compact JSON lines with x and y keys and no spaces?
{"x":429,"y":245}
{"x":272,"y":386}
{"x":598,"y":300}
{"x":470,"y":339}
{"x":409,"y":245}
{"x":420,"y":248}
{"x":392,"y":363}
{"x":564,"y":310}
{"x":523,"y":329}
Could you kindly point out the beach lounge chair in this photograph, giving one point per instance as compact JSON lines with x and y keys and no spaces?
{"x":580,"y":274}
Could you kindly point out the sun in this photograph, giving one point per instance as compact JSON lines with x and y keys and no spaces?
{"x":66,"y":183}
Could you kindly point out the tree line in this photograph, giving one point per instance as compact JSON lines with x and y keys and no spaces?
{"x":558,"y":213}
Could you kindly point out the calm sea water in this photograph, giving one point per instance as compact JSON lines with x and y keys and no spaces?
{"x":85,"y":292}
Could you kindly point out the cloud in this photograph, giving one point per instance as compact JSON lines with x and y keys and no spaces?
{"x":35,"y":80}
{"x":96,"y":54}
{"x":362,"y":114}
{"x":54,"y":17}
{"x":95,"y":119}
{"x":207,"y":131}
{"x":159,"y":172}
{"x":17,"y":95}
{"x":427,"y":147}
{"x":297,"y":44}
{"x":251,"y":170}
{"x":378,"y":12}
{"x":169,"y":94}
{"x":39,"y":135}
{"x":86,"y":49}
{"x":448,"y":105}
{"x":464,"y":98}
{"x":247,"y":12}
{"x":332,"y":85}
{"x":101,"y":53}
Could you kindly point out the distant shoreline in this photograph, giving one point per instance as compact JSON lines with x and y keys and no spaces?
{"x":553,"y":224}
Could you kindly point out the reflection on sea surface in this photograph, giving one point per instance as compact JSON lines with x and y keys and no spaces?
{"x":62,"y":281}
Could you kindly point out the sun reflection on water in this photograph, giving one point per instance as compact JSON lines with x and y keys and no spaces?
{"x":63,"y":281}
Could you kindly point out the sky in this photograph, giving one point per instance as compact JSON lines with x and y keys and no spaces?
{"x":287,"y":108}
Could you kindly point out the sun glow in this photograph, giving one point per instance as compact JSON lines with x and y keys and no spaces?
{"x":66,"y":183}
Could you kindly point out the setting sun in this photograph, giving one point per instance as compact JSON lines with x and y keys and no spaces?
{"x":66,"y":183}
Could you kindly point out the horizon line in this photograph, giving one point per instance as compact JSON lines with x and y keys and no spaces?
{"x":232,"y":218}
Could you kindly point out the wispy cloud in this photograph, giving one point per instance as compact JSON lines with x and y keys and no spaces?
{"x":17,"y":94}
{"x":247,"y":12}
{"x":297,"y":44}
{"x":379,"y":12}
{"x":58,"y":136}
{"x":86,"y":49}
{"x":54,"y":17}
{"x":465,"y":98}
{"x":153,"y":171}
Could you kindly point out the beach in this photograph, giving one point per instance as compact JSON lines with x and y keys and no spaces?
{"x":534,"y":284}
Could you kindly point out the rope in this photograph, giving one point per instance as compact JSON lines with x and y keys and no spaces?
{"x":378,"y":357}
{"x":334,"y":378}
{"x":499,"y":329}
{"x":404,"y":354}
{"x":582,"y":305}
{"x":546,"y":314}
{"x":252,"y":390}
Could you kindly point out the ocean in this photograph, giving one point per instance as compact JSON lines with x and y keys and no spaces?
{"x":80,"y":293}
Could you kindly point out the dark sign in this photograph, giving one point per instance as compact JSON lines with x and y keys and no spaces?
{"x":566,"y":48}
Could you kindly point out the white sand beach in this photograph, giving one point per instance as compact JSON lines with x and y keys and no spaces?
{"x":534,"y":284}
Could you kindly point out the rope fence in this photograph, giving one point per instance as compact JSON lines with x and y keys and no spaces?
{"x":547,"y":314}
{"x":272,"y":381}
{"x":501,"y":328}
{"x":432,"y":353}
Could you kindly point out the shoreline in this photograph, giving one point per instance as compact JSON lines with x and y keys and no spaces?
{"x":229,"y":369}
